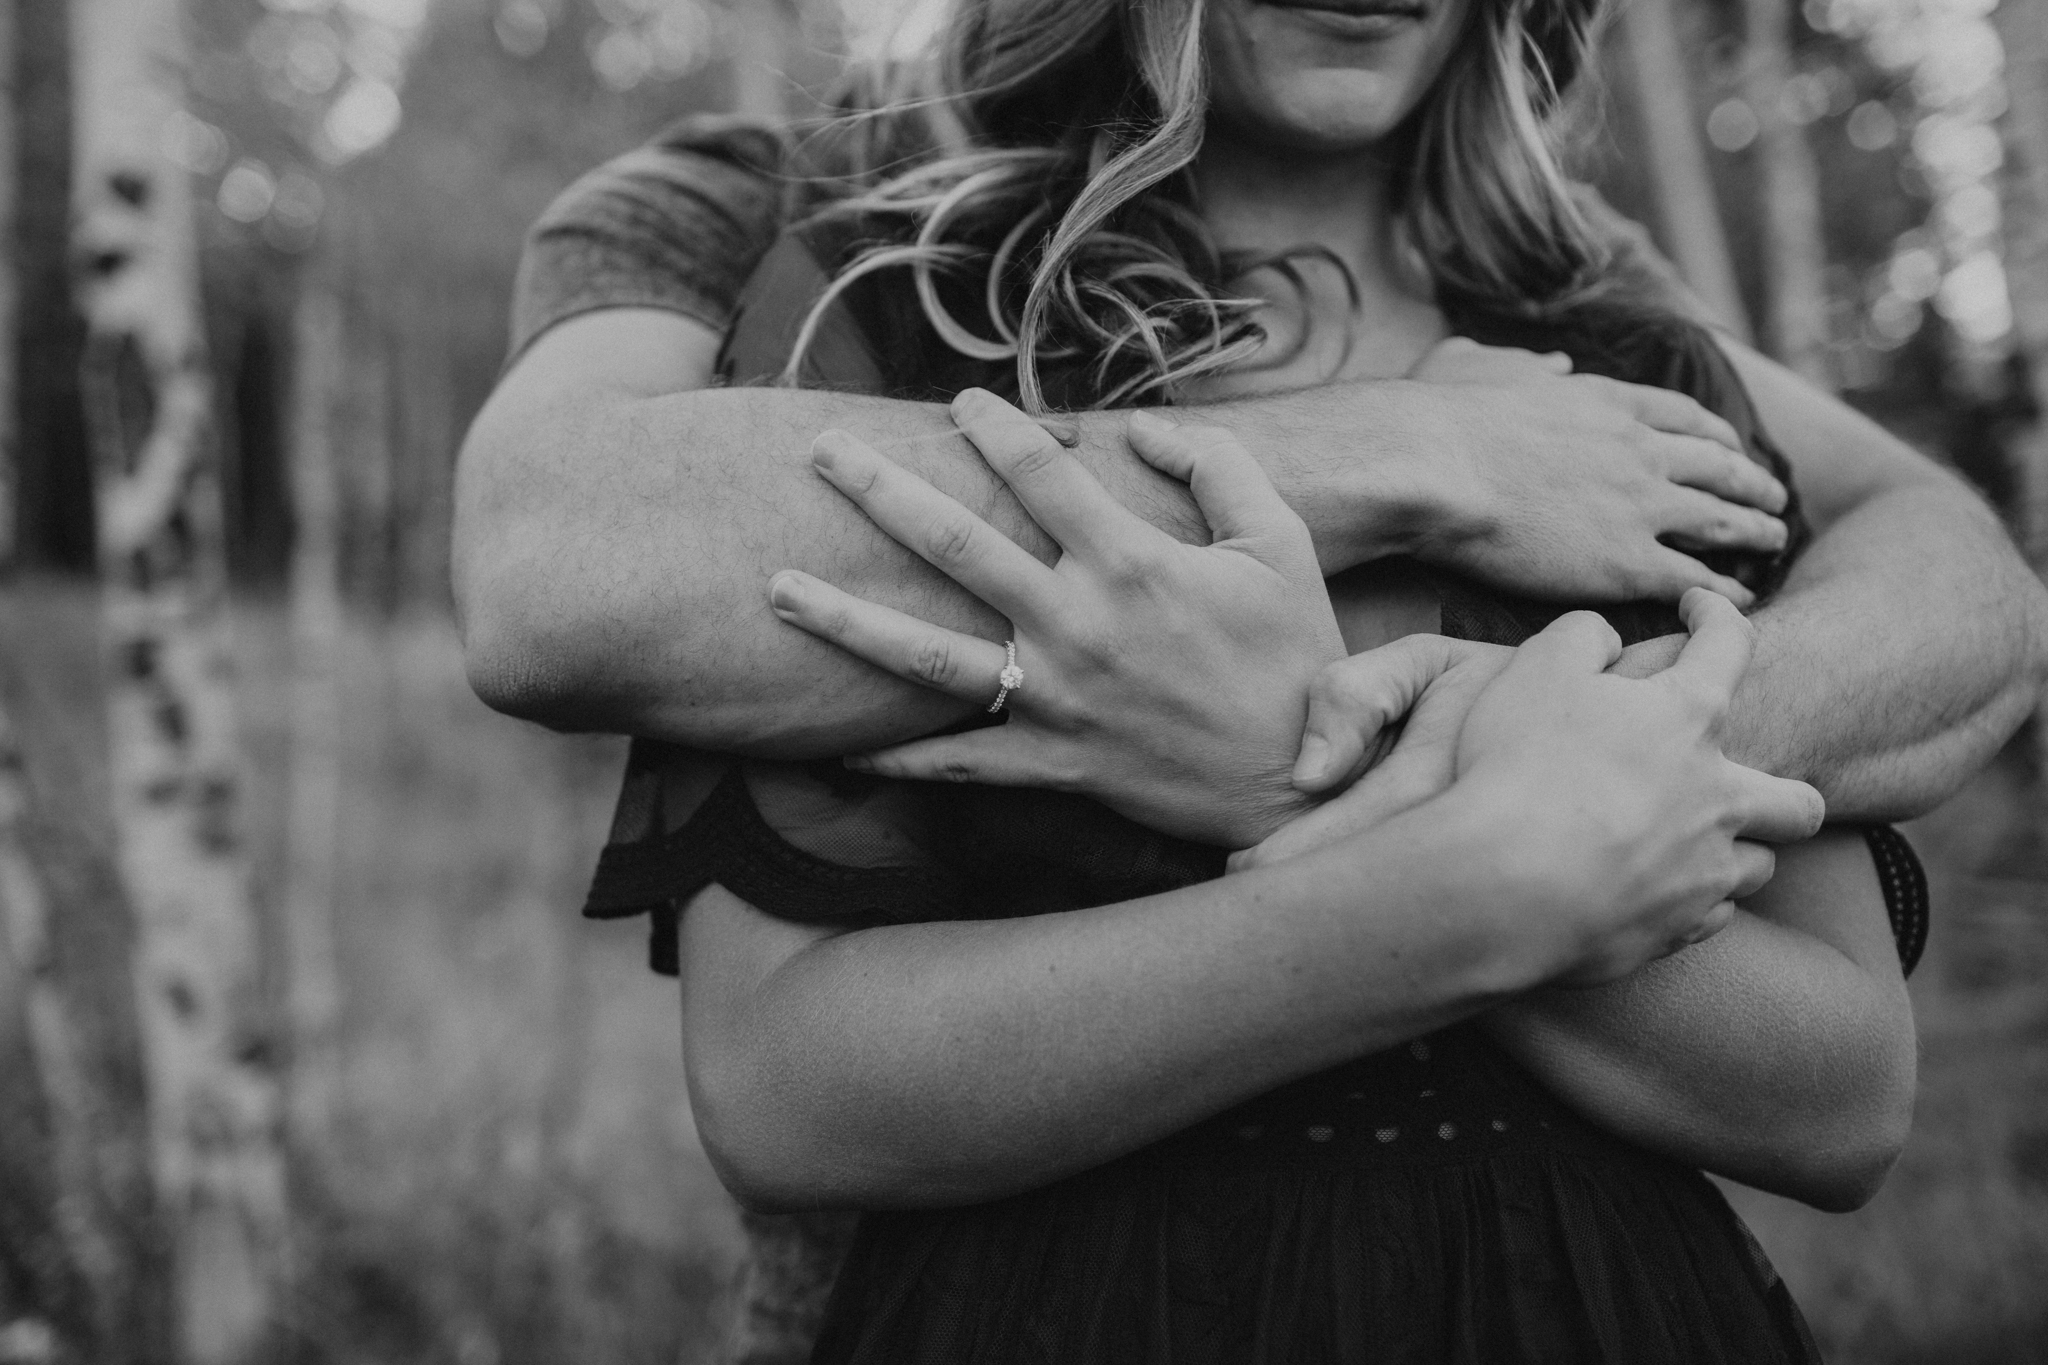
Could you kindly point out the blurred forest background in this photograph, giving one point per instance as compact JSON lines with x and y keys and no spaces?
{"x":265,"y":861}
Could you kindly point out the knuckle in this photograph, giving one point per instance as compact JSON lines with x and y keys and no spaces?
{"x":931,"y":661}
{"x":949,"y":540}
{"x":1129,"y":567}
{"x":1352,"y":695}
{"x":1029,"y":459}
{"x":954,"y":769}
{"x":1056,"y":711}
{"x":835,"y":619}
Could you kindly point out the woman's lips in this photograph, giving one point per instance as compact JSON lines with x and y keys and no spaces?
{"x":1357,"y":19}
{"x":1359,"y":9}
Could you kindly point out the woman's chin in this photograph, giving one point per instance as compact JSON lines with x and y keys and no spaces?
{"x":1340,"y":112}
{"x":1336,"y":138}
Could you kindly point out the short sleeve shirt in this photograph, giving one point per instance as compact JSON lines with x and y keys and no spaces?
{"x":678,"y":224}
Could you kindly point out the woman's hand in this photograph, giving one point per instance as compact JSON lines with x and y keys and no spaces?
{"x":1169,"y":681}
{"x":1613,"y":794}
{"x":1382,"y":733}
{"x":1610,"y":796}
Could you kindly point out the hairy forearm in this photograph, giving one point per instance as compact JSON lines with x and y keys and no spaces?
{"x":1907,"y":645}
{"x":624,"y":587}
{"x":948,"y":1063}
{"x":1767,"y":1054}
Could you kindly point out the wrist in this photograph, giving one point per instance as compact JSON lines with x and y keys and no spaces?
{"x":1482,"y":891}
{"x":1443,"y":501}
{"x":1384,"y":485}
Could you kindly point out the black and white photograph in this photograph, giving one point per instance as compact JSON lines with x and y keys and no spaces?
{"x":1023,"y":682}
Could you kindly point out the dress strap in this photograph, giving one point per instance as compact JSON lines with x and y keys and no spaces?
{"x":1904,"y":881}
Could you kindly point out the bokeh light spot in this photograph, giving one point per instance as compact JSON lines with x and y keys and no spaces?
{"x":1732,"y":125}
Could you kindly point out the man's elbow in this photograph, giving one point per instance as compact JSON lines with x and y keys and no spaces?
{"x":513,"y":669}
{"x":542,"y":643}
{"x":516,"y":661}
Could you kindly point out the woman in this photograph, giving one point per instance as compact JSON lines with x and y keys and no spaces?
{"x":1517,"y":1246}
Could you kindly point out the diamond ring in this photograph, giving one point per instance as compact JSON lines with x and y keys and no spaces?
{"x":1009,"y":680}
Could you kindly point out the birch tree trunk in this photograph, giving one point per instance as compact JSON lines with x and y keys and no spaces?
{"x":1795,"y":321}
{"x":1686,"y":209}
{"x":214,"y":1115}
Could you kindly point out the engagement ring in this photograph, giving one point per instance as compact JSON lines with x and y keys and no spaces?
{"x":1009,"y":680}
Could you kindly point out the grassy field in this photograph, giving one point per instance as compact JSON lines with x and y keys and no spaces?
{"x":514,"y":1177}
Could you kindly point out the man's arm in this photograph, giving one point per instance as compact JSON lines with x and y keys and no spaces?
{"x":1910,"y":639}
{"x":617,"y":521}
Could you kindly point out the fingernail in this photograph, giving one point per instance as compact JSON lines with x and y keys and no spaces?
{"x":859,"y":763}
{"x":1144,"y":420}
{"x":784,"y":591}
{"x":967,"y":400}
{"x":1312,"y":764}
{"x":824,"y":450}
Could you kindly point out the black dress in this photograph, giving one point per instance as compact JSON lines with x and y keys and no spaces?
{"x":1430,"y":1203}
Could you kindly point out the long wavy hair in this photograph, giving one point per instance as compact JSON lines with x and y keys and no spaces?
{"x":1032,"y":165}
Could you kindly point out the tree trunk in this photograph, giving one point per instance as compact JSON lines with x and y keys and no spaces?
{"x":214,"y":1112}
{"x":59,"y":1059}
{"x":10,"y":299}
{"x":314,"y":803}
{"x":1661,"y":89}
{"x":1795,"y":322}
{"x":2023,"y":27}
{"x":51,"y":524}
{"x":2023,"y":184}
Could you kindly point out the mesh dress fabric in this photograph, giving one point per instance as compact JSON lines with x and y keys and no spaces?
{"x":1429,"y":1203}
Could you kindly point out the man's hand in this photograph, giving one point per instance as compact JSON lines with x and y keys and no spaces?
{"x":1586,"y":488}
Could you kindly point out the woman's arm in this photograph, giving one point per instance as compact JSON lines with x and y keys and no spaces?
{"x":1779,"y":1053}
{"x":944,"y":1063}
{"x":951,"y":1063}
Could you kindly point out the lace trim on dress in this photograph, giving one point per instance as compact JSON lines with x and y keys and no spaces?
{"x":726,"y":841}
